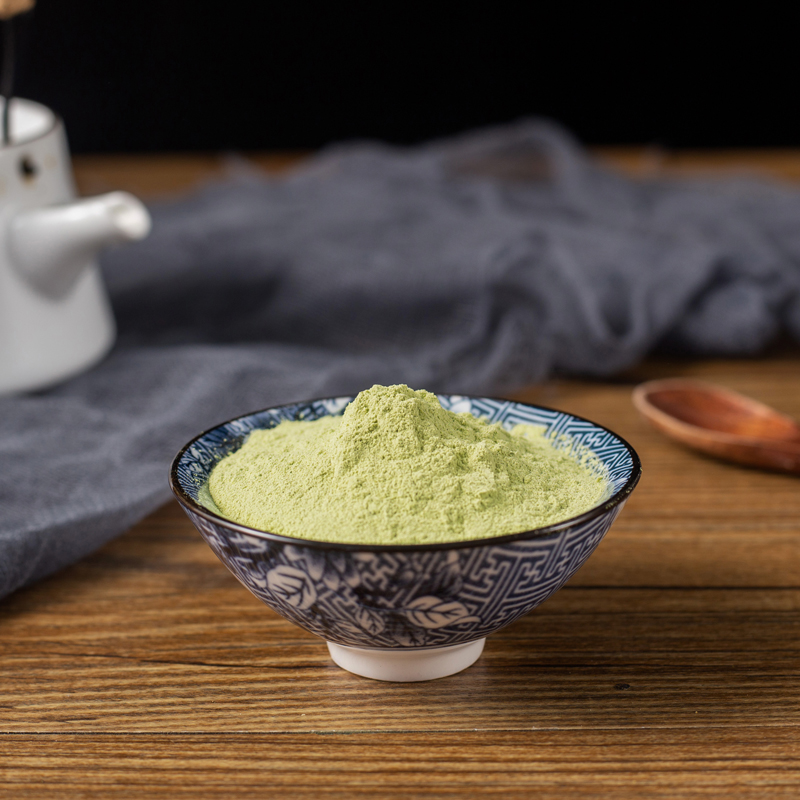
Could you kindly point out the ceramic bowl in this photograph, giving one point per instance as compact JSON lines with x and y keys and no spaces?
{"x":410,"y":612}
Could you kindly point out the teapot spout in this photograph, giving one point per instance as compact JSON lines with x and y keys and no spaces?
{"x":50,"y":247}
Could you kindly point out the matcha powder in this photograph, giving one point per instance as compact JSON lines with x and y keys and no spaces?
{"x":397,"y":468}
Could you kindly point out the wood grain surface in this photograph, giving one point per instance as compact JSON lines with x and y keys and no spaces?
{"x":668,"y":667}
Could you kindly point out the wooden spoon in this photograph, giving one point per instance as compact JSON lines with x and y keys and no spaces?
{"x":721,"y":422}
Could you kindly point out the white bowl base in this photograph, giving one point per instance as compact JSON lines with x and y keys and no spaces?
{"x":404,"y":666}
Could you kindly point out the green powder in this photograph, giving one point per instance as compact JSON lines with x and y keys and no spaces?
{"x":397,"y":468}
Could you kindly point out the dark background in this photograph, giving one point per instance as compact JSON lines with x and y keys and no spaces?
{"x":180,"y":75}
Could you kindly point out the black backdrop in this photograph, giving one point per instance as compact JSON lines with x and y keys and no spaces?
{"x":183,"y":75}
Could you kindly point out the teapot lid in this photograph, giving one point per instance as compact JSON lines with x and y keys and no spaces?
{"x":28,"y":120}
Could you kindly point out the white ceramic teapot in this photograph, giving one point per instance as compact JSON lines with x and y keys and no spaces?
{"x":55,"y":319}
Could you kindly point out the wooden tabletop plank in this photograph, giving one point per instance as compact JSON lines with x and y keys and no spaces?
{"x":551,"y":765}
{"x":164,"y":174}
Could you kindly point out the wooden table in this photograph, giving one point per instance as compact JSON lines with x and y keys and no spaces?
{"x":668,"y":667}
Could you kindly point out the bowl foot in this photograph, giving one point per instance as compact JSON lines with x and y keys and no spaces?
{"x":419,"y":664}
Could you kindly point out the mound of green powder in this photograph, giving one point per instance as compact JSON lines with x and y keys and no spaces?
{"x":397,"y":468}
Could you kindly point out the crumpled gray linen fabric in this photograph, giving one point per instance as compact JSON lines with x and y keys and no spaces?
{"x":474,"y":265}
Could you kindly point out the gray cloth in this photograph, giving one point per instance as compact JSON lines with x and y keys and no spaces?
{"x":475,"y":265}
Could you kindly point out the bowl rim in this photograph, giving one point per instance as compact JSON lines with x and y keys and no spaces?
{"x":619,"y":497}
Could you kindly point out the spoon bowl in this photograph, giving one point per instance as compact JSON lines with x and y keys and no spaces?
{"x":721,"y":422}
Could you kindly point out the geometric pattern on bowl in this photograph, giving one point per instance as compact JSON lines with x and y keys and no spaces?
{"x":406,"y":596}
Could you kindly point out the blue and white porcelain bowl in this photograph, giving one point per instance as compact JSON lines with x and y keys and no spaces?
{"x":406,"y":612}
